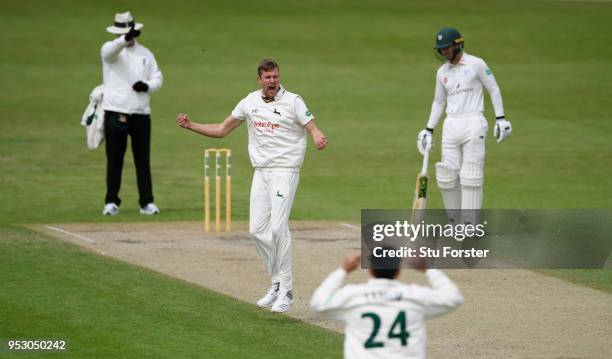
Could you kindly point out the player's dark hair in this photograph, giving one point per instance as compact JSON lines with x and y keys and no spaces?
{"x":267,"y":65}
{"x":385,"y":267}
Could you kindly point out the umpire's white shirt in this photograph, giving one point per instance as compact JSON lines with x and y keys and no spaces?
{"x":277,"y":136}
{"x":378,"y":313}
{"x":123,"y":66}
{"x":460,"y":88}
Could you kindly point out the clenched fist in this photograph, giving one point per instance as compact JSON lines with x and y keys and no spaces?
{"x":351,"y":262}
{"x":319,"y":139}
{"x":182,"y":119}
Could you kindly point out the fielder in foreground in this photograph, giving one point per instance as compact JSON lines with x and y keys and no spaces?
{"x":459,"y":88}
{"x":277,"y":121}
{"x":384,"y":317}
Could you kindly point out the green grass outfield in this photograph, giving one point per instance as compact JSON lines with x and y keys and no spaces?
{"x":54,"y":290}
{"x":366,"y":70}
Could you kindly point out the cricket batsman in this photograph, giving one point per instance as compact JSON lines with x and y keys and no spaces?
{"x":459,"y":89}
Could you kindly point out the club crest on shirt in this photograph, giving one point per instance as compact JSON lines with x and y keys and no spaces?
{"x":276,"y":112}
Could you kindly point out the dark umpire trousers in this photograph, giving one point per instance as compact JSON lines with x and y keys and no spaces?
{"x":117,"y":127}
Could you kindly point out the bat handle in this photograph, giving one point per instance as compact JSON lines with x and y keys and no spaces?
{"x":425,"y":162}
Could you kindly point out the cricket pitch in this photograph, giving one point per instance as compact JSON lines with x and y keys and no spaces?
{"x":507,"y":313}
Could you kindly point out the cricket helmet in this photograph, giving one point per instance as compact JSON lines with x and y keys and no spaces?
{"x":448,"y":36}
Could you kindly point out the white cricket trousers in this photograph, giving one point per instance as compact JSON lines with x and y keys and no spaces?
{"x":463,"y":141}
{"x":460,"y":174}
{"x":272,"y":194}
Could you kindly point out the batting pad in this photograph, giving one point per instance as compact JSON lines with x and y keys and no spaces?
{"x":448,"y":183}
{"x":472,"y":174}
{"x":447,"y":177}
{"x":472,"y":179}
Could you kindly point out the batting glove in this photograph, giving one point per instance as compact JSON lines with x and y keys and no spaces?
{"x":132,"y":34}
{"x":140,"y":87}
{"x":502,"y":129}
{"x":425,"y":140}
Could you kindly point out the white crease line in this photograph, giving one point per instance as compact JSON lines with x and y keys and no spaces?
{"x":347,"y":225}
{"x":72,"y":234}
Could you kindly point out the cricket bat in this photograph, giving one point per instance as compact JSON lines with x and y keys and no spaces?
{"x":420,"y":192}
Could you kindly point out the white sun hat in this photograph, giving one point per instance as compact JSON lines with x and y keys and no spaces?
{"x":123,"y":22}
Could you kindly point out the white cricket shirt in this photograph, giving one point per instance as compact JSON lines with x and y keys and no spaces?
{"x":277,"y":136}
{"x":385,"y":318}
{"x":122,"y":67}
{"x":460,"y":88}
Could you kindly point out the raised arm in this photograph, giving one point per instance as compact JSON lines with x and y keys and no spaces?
{"x":218,"y":130}
{"x":111,"y":49}
{"x":323,"y":297}
{"x":328,"y":297}
{"x":443,"y":296}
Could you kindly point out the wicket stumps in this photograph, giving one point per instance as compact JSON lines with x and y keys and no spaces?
{"x":228,"y":189}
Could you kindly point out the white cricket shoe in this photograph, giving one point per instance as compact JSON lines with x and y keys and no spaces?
{"x":149,"y":209}
{"x":270,"y":297}
{"x":283,"y":302}
{"x":110,"y":209}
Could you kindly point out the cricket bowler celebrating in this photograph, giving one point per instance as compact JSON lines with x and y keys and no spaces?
{"x":459,"y":88}
{"x":277,"y":123}
{"x":384,"y":317}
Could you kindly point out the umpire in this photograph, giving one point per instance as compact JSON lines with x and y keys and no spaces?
{"x":130,"y":73}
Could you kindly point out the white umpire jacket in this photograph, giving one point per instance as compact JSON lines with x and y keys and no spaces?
{"x":385,"y":318}
{"x":93,"y":119}
{"x":122,"y":67}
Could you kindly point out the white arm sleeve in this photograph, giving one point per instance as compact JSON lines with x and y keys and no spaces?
{"x":443,"y":296}
{"x":488,"y":80}
{"x":110,"y":50}
{"x":325,"y":298}
{"x":301,"y":111}
{"x":438,"y":105}
{"x":238,"y":111}
{"x":156,"y":79}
